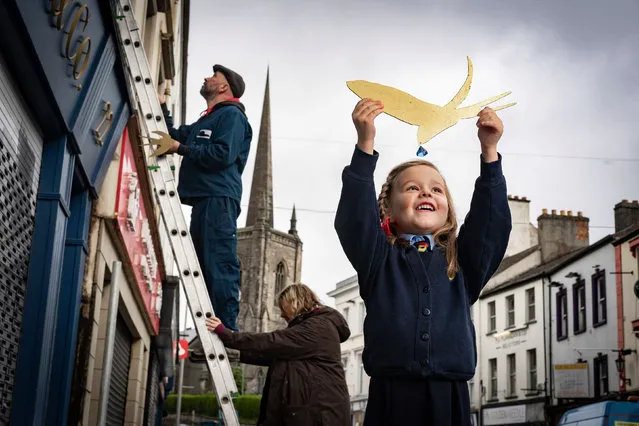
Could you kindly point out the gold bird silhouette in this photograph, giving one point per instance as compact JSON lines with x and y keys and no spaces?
{"x":432,"y":119}
{"x":163,"y":143}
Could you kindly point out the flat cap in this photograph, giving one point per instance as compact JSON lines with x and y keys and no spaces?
{"x":236,"y":82}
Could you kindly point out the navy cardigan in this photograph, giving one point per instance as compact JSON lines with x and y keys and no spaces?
{"x":418,"y":321}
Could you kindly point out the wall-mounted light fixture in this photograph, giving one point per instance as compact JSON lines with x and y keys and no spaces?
{"x":620,"y":362}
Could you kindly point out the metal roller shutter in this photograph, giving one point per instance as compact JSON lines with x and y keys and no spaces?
{"x":20,"y":157}
{"x":120,"y":374}
{"x":153,"y":390}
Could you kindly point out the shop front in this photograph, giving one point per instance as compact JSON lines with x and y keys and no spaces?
{"x":63,"y":104}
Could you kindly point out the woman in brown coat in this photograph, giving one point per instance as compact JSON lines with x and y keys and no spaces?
{"x":305,"y":384}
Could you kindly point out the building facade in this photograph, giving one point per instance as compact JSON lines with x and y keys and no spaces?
{"x":66,"y":114}
{"x":551,"y":317}
{"x":509,"y":387}
{"x":626,"y":248}
{"x":350,"y":304}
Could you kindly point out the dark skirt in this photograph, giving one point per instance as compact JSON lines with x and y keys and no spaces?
{"x":423,"y":402}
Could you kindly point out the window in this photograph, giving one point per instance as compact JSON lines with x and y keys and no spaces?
{"x":362,"y":316}
{"x":239,"y":292}
{"x":471,"y":388}
{"x":562,"y":314}
{"x":579,"y":306}
{"x":510,"y":311}
{"x":345,"y":363}
{"x":512,"y":375}
{"x":492,"y":369}
{"x":346,"y":315}
{"x":599,"y":298}
{"x":280,"y":280}
{"x":362,"y":373}
{"x":531,"y":354}
{"x":492,"y":317}
{"x":530,"y":303}
{"x":601,"y":375}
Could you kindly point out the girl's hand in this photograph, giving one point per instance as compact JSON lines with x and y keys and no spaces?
{"x":364,"y":116}
{"x":490,"y":130}
{"x":212,"y":323}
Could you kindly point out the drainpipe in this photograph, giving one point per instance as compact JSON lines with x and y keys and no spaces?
{"x":109,"y":341}
{"x":548,"y":353}
{"x":550,"y":370}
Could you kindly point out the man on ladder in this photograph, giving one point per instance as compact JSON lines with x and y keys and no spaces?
{"x":214,"y":151}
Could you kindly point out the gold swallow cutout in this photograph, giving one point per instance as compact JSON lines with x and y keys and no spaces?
{"x":164,"y":143}
{"x":432,"y":119}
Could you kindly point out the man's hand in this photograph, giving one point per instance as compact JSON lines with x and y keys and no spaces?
{"x":165,"y":143}
{"x":161,"y":98}
{"x":173,"y":148}
{"x":212,"y":323}
{"x":490,"y":130}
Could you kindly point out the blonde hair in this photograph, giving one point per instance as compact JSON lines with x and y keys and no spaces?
{"x":445,"y":237}
{"x":300,"y":298}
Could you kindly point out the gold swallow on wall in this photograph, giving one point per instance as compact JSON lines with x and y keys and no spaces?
{"x":432,"y":119}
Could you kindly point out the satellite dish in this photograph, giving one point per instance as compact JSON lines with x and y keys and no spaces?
{"x":637,"y":289}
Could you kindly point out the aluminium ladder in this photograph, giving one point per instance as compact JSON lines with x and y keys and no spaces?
{"x":142,"y":93}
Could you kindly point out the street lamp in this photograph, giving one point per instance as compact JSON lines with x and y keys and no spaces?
{"x":620,"y":362}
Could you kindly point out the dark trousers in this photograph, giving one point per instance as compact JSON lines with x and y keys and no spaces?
{"x":214,"y":233}
{"x":417,"y":402}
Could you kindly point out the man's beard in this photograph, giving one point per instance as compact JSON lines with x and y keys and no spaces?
{"x":207,"y":92}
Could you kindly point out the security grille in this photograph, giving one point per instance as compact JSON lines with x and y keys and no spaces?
{"x":120,"y":374}
{"x":153,"y":390}
{"x":20,"y":156}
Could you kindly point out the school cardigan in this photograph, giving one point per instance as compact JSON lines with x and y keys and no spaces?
{"x":214,"y":149}
{"x":418,"y":321}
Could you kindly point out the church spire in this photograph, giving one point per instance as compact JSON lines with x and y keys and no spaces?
{"x":293,"y":230}
{"x":260,"y":208}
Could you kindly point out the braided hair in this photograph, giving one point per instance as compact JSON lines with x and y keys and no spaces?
{"x":445,"y":237}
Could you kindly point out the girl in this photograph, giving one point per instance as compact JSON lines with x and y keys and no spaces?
{"x":418,"y":278}
{"x":305,"y":384}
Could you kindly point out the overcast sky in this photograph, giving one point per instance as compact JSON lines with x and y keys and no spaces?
{"x":570,"y":143}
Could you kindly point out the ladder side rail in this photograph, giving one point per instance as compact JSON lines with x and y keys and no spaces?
{"x":171,"y":213}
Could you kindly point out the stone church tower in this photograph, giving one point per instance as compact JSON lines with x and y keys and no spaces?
{"x":269,"y":259}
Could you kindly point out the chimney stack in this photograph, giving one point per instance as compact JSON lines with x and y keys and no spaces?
{"x":626,"y":214}
{"x":523,"y":234}
{"x":561,"y":234}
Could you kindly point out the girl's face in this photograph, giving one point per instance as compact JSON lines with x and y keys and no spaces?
{"x":418,"y":202}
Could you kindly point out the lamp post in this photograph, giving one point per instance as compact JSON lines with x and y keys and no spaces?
{"x":620,"y":362}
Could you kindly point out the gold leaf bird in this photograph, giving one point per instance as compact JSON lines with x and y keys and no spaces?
{"x":432,"y":119}
{"x":164,"y":143}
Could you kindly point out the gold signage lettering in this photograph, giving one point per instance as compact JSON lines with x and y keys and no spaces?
{"x":80,"y":56}
{"x":107,"y":120}
{"x":57,"y":9}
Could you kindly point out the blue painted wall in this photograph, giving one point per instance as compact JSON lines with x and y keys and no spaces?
{"x":82,"y":113}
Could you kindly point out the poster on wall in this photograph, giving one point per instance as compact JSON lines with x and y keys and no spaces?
{"x":571,"y":381}
{"x":133,"y":225}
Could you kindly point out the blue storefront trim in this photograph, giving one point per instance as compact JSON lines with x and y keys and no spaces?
{"x":69,"y":112}
{"x":31,"y":382}
{"x":75,"y":253}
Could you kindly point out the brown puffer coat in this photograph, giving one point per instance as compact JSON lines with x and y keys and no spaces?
{"x":305,"y":384}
